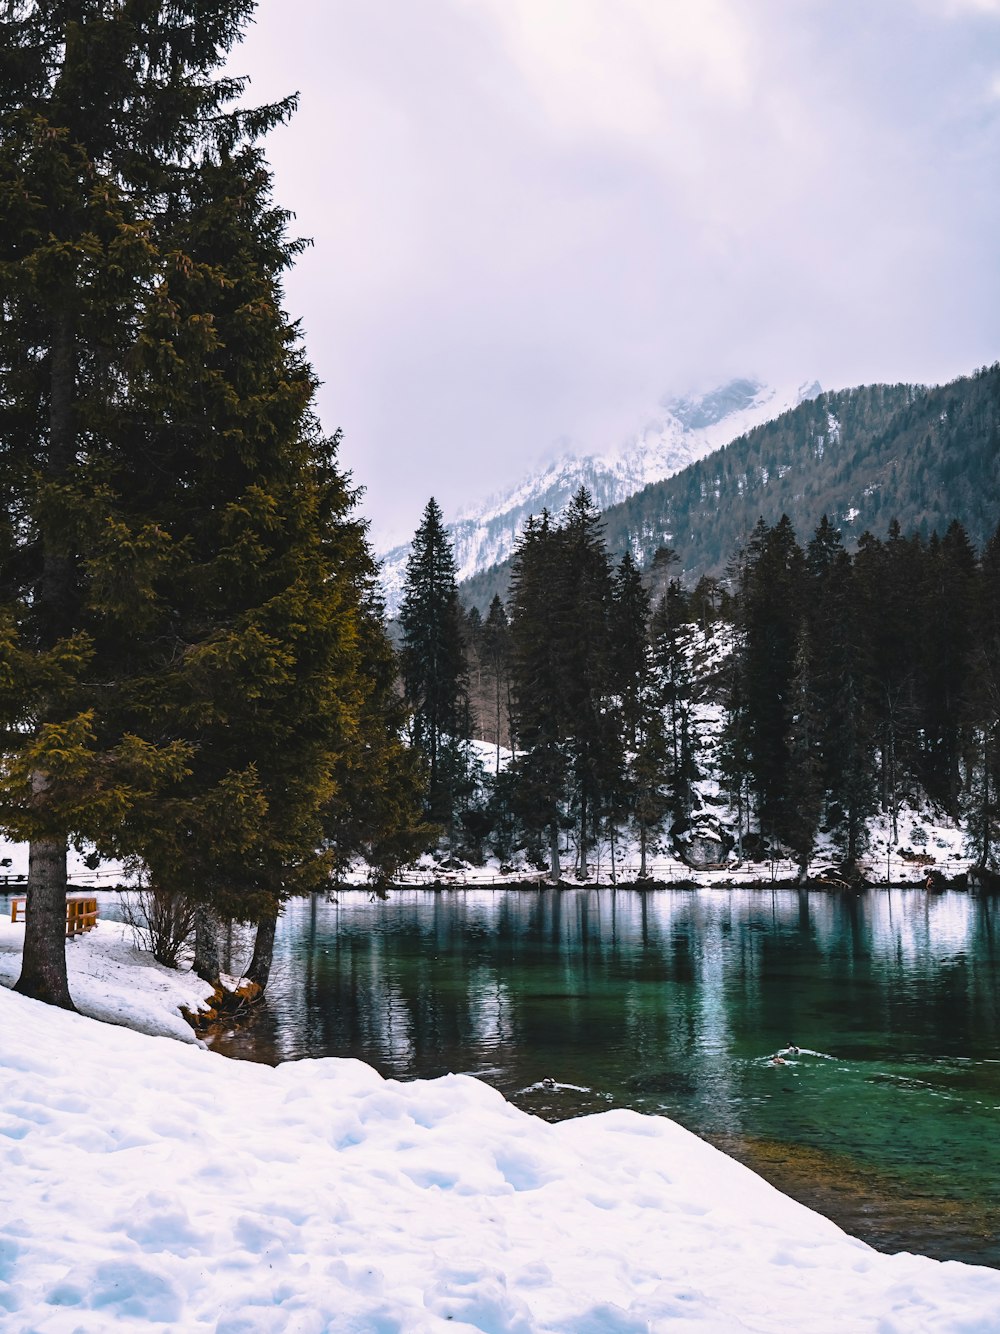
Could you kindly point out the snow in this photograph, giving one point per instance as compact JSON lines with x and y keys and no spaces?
{"x":110,"y":979}
{"x":679,"y":432}
{"x":148,"y":1184}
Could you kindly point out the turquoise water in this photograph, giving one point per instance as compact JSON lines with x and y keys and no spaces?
{"x":673,"y":1002}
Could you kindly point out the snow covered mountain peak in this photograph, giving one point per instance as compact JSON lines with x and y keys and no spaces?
{"x":679,"y":431}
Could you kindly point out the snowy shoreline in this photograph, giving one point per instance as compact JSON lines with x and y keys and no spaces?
{"x":153,"y":1184}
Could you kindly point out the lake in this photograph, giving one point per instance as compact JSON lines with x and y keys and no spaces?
{"x":674,"y":1002}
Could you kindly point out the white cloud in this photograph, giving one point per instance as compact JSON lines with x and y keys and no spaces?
{"x":958,"y":8}
{"x":595,"y":66}
{"x":533,"y":217}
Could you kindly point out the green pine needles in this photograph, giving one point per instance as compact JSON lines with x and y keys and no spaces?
{"x":192,"y":663}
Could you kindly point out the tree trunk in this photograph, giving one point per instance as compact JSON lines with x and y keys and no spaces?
{"x":582,"y":872}
{"x":985,"y":859}
{"x":555,"y":873}
{"x":642,"y":851}
{"x":259,"y":971}
{"x":43,"y":963}
{"x":206,"y":944}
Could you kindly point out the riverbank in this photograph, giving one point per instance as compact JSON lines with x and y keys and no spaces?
{"x":151,"y":1183}
{"x":113,"y":981}
{"x":157,"y":1184}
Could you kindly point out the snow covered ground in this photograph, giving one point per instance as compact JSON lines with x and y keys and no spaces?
{"x":148,"y":1184}
{"x":110,"y":979}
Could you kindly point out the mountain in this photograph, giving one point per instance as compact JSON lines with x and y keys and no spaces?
{"x":680,"y":431}
{"x":863,"y":457}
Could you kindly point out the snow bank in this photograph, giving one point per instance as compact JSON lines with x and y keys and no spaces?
{"x":151,"y":1185}
{"x":110,"y":979}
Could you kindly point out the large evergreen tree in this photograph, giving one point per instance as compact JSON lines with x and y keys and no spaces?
{"x":188,"y":594}
{"x":982,"y":803}
{"x":838,"y":697}
{"x":252,"y":654}
{"x":887,"y":578}
{"x":539,"y":771}
{"x":582,"y":614}
{"x":99,"y":105}
{"x":433,"y":661}
{"x":670,"y":630}
{"x":770,"y":609}
{"x":495,"y":649}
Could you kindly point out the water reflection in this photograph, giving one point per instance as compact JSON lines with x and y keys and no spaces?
{"x":673,"y":1002}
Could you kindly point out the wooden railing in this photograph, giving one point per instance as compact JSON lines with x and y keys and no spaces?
{"x":81,"y":913}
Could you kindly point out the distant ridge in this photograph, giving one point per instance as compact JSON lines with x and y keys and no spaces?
{"x":865,"y":456}
{"x":678,"y":432}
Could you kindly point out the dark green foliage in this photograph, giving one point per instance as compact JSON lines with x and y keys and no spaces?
{"x":861,"y":683}
{"x":376,"y":807}
{"x":195,"y":674}
{"x":673,"y":693}
{"x":946,"y":645}
{"x":887,"y":580}
{"x":838,"y":702}
{"x":434,"y":663}
{"x":495,"y":656}
{"x":582,"y":611}
{"x":770,"y":613}
{"x":100,"y":108}
{"x":540,"y":769}
{"x":629,"y":646}
{"x":251,"y":623}
{"x":981,"y":798}
{"x":575,"y":633}
{"x":854,"y":683}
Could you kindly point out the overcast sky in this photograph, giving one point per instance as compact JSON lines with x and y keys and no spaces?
{"x":534,"y":218}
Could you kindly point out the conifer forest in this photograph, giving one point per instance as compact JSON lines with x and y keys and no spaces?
{"x":845,"y":684}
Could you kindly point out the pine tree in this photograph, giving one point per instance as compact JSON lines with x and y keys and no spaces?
{"x":670,"y":634}
{"x":496,"y":652}
{"x":583,"y":654}
{"x":887,"y":578}
{"x":433,"y":661}
{"x":376,"y":809}
{"x":630,"y":657}
{"x":946,"y":643}
{"x":264,"y":653}
{"x":97,"y":107}
{"x":805,"y":762}
{"x":770,"y":610}
{"x":843,"y":722}
{"x":538,"y":774}
{"x":982,"y":799}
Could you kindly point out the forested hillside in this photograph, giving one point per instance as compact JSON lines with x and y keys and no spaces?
{"x":863,"y":457}
{"x":815,"y":699}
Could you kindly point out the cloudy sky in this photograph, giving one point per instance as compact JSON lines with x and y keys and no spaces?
{"x":532,"y":219}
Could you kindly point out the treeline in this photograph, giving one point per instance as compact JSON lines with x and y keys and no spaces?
{"x":194,"y":672}
{"x":837,"y":686}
